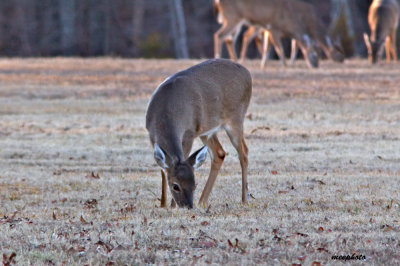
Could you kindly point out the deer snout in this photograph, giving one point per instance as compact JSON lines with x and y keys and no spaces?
{"x":188,"y":199}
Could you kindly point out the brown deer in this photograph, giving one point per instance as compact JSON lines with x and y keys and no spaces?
{"x":197,"y":102}
{"x":276,"y":16}
{"x":314,"y":26}
{"x":383,"y":17}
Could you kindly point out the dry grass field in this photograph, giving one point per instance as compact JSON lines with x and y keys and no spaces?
{"x":79,"y":185}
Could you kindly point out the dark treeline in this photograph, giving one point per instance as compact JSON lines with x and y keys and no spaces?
{"x":129,"y":28}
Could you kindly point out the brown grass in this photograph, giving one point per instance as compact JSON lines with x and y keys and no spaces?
{"x":324,"y":167}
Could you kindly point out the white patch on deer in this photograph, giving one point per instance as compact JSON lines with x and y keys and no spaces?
{"x":220,"y":19}
{"x":307,"y":39}
{"x":201,"y":157}
{"x":229,"y":130}
{"x":211,"y":132}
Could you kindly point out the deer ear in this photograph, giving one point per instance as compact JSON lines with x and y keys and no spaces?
{"x":367,"y":41}
{"x":198,"y":157}
{"x":159,"y":156}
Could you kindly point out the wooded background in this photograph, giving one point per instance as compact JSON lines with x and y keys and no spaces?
{"x":135,"y":28}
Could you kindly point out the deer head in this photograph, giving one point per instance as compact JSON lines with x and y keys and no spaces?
{"x":180,"y":174}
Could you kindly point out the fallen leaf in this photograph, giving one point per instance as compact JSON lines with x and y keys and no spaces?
{"x":301,"y":234}
{"x":322,"y":249}
{"x":386,"y":228}
{"x":9,"y":260}
{"x":93,"y":176}
{"x":260,"y":128}
{"x":302,"y":258}
{"x":82,"y":220}
{"x":89,"y":204}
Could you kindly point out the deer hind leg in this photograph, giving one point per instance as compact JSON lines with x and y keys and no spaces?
{"x":219,"y":36}
{"x":226,"y":32}
{"x":393,"y":45}
{"x":388,"y":49}
{"x":218,"y":156}
{"x":235,"y":133}
{"x":294,"y":51}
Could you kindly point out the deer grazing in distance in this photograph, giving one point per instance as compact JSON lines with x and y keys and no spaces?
{"x":197,"y":102}
{"x":318,"y":32}
{"x":383,"y":17}
{"x":307,"y":15}
{"x":276,"y":16}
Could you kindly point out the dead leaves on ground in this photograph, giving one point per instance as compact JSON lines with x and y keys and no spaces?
{"x":90,"y":204}
{"x":236,"y":247}
{"x":9,"y":260}
{"x":13,"y":221}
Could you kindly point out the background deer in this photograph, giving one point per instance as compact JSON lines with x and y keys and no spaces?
{"x":383,"y":17}
{"x":197,"y":102}
{"x":315,"y":28}
{"x":276,"y":16}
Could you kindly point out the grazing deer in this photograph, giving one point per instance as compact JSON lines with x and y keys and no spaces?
{"x":318,"y":32}
{"x":314,"y":26}
{"x":197,"y":102}
{"x":383,"y":17}
{"x":276,"y":16}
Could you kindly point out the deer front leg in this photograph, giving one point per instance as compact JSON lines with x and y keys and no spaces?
{"x":245,"y":42}
{"x":293,"y":52}
{"x":226,"y":29}
{"x":218,"y":154}
{"x":231,"y":48}
{"x":388,"y":49}
{"x":276,"y":40}
{"x":393,"y":46}
{"x":163,"y":190}
{"x":265,"y":48}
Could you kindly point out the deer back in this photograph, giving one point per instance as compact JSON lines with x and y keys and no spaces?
{"x":195,"y":101}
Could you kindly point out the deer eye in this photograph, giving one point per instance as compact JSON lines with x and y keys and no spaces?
{"x":176,"y":187}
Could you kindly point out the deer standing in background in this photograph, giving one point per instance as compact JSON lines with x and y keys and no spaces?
{"x":197,"y":102}
{"x":383,"y":17}
{"x":276,"y":16}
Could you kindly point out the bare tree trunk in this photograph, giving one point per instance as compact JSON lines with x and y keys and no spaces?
{"x":96,"y":27}
{"x":107,"y":28}
{"x":137,"y":22}
{"x":178,"y":28}
{"x":67,"y":17}
{"x":181,"y":28}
